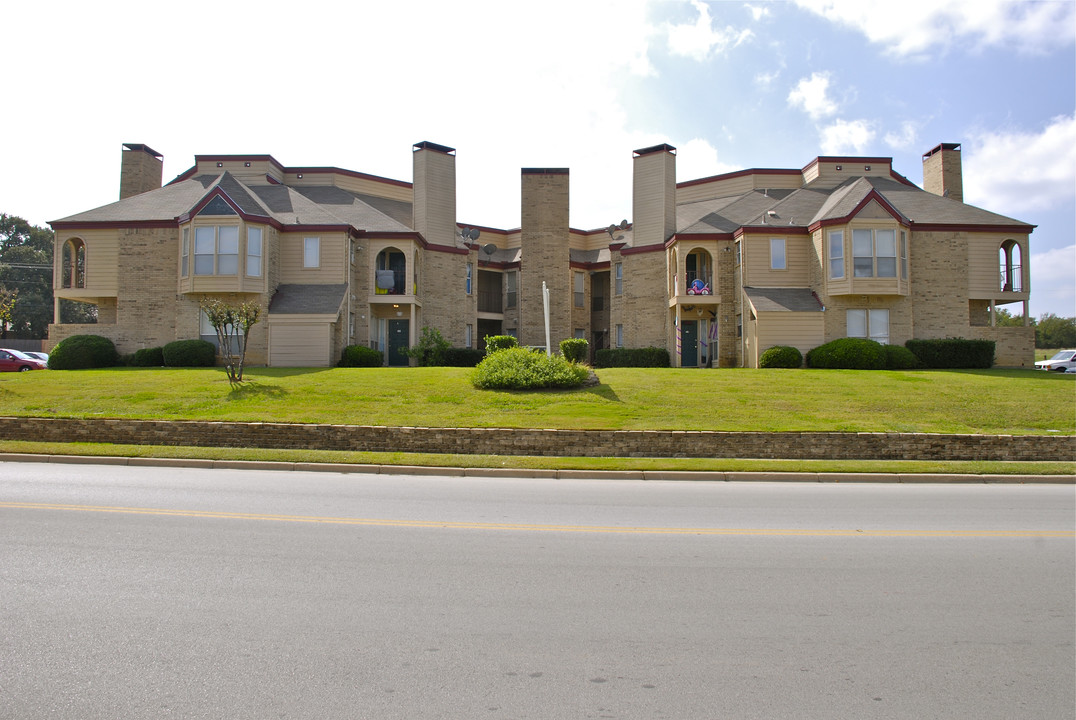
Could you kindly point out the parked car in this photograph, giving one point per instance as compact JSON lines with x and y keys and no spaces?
{"x":15,"y":361}
{"x":1061,"y":362}
{"x":43,"y":357}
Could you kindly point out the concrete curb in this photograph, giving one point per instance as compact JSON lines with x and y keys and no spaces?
{"x":645,"y":475}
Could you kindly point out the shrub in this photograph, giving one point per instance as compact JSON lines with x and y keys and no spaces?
{"x":523,"y":369}
{"x":429,"y":351}
{"x":189,"y":353}
{"x":848,"y":354}
{"x":898,"y":357}
{"x":953,"y":353}
{"x":574,"y":349}
{"x":781,"y":356}
{"x":462,"y":357}
{"x":631,"y":357}
{"x":147,"y":357}
{"x":360,"y":356}
{"x":499,"y":342}
{"x":83,"y":351}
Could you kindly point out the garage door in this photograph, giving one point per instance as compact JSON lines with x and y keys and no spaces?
{"x":304,"y":345}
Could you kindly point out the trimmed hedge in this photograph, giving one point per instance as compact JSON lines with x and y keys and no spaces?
{"x":898,"y":357}
{"x":462,"y":357}
{"x":495,"y":343}
{"x":781,"y":356}
{"x":574,"y":349}
{"x":80,"y":352}
{"x":148,"y":357}
{"x":953,"y":353}
{"x":522,"y":369}
{"x":848,"y":354}
{"x":631,"y":357}
{"x":189,"y":353}
{"x":360,"y":356}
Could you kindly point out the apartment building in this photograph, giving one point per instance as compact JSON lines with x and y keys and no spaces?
{"x":715,"y":269}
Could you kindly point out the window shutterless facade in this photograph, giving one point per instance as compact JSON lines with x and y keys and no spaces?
{"x":511,"y":288}
{"x":874,"y":253}
{"x":185,"y":253}
{"x":620,"y":336}
{"x":872,"y":324}
{"x":618,"y":275}
{"x":579,"y":293}
{"x":311,"y":252}
{"x":470,"y":279}
{"x":836,"y":254}
{"x":777,"y":254}
{"x":254,"y":252}
{"x":216,"y":250}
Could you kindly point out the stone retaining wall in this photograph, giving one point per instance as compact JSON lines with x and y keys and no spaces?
{"x":580,"y":443}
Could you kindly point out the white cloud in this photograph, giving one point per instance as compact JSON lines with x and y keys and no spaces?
{"x":758,"y":11}
{"x":1053,"y":281}
{"x":1019,"y":171}
{"x":812,"y":96}
{"x":846,"y":137}
{"x":697,"y":158}
{"x":764,"y":80}
{"x":699,"y":40}
{"x":913,"y":29}
{"x":906,"y":138}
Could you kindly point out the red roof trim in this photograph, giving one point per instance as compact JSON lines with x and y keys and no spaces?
{"x":105,"y":224}
{"x":688,"y":237}
{"x":940,"y":227}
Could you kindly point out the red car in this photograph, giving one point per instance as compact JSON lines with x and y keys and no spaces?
{"x":15,"y":361}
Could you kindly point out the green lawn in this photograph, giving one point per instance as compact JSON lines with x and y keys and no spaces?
{"x":994,"y":401}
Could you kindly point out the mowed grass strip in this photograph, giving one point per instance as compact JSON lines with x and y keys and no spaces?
{"x":981,"y":401}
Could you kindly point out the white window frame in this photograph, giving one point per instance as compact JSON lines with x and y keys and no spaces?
{"x":620,"y":336}
{"x":470,"y":279}
{"x":254,"y":259}
{"x":468,"y":335}
{"x":880,"y":265}
{"x":222,"y":250}
{"x":227,"y":250}
{"x":579,"y":290}
{"x":778,"y":254}
{"x":868,"y":323}
{"x":185,"y":253}
{"x":836,"y":259}
{"x":511,"y":289}
{"x":618,"y":276}
{"x":311,"y":253}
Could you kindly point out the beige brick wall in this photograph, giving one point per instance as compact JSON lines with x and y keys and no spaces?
{"x":545,"y":257}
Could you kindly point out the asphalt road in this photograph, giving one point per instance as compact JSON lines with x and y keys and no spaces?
{"x":152,"y":593}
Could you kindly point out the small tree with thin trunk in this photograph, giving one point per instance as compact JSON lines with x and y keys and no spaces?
{"x":7,"y":309}
{"x":232,"y":324}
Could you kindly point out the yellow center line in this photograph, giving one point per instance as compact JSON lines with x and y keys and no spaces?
{"x":456,"y":525}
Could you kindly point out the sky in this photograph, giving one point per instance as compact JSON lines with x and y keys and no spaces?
{"x":577,"y":84}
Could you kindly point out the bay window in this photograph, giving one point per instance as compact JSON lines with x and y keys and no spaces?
{"x":254,"y":252}
{"x":874,"y":253}
{"x":836,"y":254}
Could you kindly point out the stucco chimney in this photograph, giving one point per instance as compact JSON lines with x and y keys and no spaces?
{"x":435,"y":193}
{"x":653,"y":195}
{"x":141,"y":170}
{"x":941,"y":172}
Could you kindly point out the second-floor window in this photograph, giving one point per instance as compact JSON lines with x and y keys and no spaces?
{"x":511,"y":288}
{"x":579,"y":290}
{"x":836,"y":254}
{"x":470,"y":277}
{"x":874,"y":253}
{"x":254,"y":252}
{"x":618,"y":275}
{"x":185,"y":253}
{"x":311,"y":252}
{"x":216,"y":250}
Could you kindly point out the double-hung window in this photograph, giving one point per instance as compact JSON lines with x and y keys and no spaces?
{"x":618,"y":275}
{"x":836,"y":254}
{"x":872,"y":324}
{"x":579,"y":294}
{"x":254,"y":252}
{"x":470,"y":277}
{"x":874,"y":253}
{"x":216,"y":250}
{"x":511,"y":288}
{"x":185,"y":254}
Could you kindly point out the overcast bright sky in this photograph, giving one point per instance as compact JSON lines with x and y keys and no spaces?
{"x":577,"y":84}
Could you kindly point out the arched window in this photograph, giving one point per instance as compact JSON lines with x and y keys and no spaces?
{"x":699,"y":271}
{"x":391,"y":272}
{"x":1011,"y":260}
{"x":74,"y":263}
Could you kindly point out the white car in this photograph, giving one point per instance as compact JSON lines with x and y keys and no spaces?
{"x":1063,"y":361}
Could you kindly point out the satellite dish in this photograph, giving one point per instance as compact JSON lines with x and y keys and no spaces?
{"x":474,"y":233}
{"x":489,"y":248}
{"x":623,"y":224}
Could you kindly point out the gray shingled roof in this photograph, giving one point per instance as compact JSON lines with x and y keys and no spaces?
{"x":783,"y":299}
{"x":589,"y":256}
{"x":307,"y":299}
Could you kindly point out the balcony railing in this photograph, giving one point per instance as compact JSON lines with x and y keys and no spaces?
{"x":490,"y":301}
{"x":1012,"y":279}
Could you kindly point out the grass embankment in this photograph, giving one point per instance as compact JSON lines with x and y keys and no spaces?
{"x":994,"y":402}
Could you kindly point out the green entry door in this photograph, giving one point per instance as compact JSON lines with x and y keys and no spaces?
{"x":399,"y":334}
{"x":689,"y":343}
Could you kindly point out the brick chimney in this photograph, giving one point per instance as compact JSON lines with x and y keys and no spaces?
{"x":941,"y":172}
{"x":141,"y":170}
{"x":435,"y":192}
{"x":653,"y":195}
{"x":545,"y":256}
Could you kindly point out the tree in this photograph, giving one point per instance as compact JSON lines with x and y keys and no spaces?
{"x":7,"y":305}
{"x":26,"y":266}
{"x":1004,"y":318}
{"x":232,"y":324}
{"x":1052,"y":331}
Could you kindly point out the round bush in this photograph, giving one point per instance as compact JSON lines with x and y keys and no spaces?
{"x":523,"y":369}
{"x":83,"y":351}
{"x":189,"y":353}
{"x":495,"y":343}
{"x":360,"y":356}
{"x":781,"y":356}
{"x":848,"y":354}
{"x":898,"y":357}
{"x":575,"y":349}
{"x":148,"y":357}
